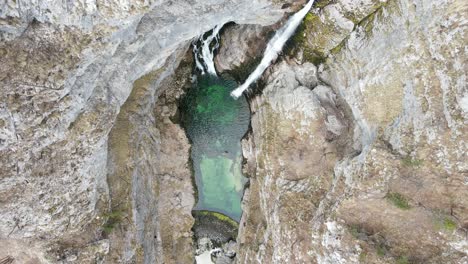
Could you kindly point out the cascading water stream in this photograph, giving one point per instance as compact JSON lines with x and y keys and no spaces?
{"x":274,"y":47}
{"x":205,"y":53}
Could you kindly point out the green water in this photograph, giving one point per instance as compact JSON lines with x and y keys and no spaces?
{"x":215,"y":124}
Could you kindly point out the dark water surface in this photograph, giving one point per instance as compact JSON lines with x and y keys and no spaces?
{"x":215,"y":124}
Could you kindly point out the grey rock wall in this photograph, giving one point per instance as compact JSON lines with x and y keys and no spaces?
{"x":370,"y":165}
{"x":66,"y":69}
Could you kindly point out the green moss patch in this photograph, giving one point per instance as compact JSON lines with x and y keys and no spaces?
{"x":339,"y":47}
{"x":298,"y":41}
{"x":220,"y":217}
{"x":322,"y":3}
{"x":299,"y":38}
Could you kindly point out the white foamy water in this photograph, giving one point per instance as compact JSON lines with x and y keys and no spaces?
{"x":205,"y":257}
{"x":274,"y":47}
{"x":206,"y":53}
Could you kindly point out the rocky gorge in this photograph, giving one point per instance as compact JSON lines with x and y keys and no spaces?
{"x":356,"y":151}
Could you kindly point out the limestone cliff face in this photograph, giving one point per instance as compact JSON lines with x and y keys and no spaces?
{"x":363,"y":161}
{"x":295,"y":142}
{"x":149,"y":177}
{"x":84,"y":144}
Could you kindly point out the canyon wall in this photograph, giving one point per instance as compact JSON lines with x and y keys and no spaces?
{"x":89,"y":173}
{"x":356,"y":154}
{"x":362,"y":159}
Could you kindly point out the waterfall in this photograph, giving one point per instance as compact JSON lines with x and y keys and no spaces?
{"x":274,"y":47}
{"x":205,"y":53}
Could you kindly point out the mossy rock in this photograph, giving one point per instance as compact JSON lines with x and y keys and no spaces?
{"x":299,"y":38}
{"x":216,"y":226}
{"x":311,"y":51}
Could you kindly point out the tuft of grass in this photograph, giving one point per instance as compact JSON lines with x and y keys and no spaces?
{"x":398,"y":200}
{"x":113,"y":219}
{"x":446,"y":223}
{"x":381,"y":250}
{"x":354,"y":230}
{"x":108,"y":229}
{"x":410,"y":162}
{"x":362,"y":256}
{"x":402,"y":260}
{"x":449,"y":224}
{"x":256,"y":246}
